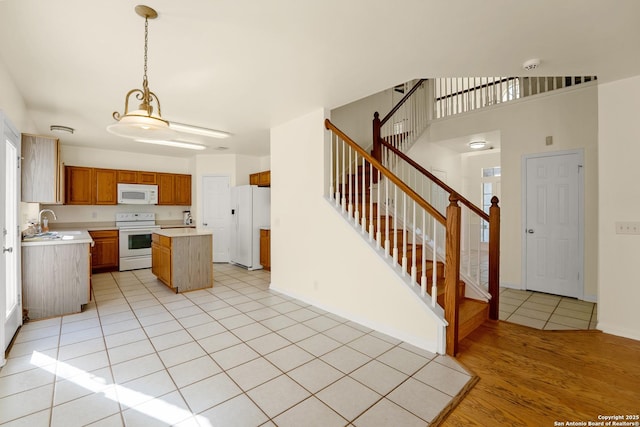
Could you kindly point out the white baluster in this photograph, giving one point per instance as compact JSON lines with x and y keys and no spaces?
{"x":423,"y":276}
{"x":364,"y":195}
{"x":350,"y":177}
{"x":370,"y":202}
{"x":434,"y":266}
{"x":378,"y":232}
{"x":404,"y":233}
{"x":338,"y":196}
{"x":356,"y":216}
{"x":344,"y":168}
{"x":414,"y":269}
{"x":331,"y":154}
{"x":395,"y":225}
{"x":386,"y":222}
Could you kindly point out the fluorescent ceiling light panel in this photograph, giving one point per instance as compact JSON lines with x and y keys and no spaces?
{"x":177,"y":144}
{"x":196,"y":130}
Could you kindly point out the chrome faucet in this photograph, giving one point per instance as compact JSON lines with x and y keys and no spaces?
{"x":40,"y":218}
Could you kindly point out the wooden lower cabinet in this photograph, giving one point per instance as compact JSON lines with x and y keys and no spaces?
{"x":265,"y":249}
{"x":105,"y":253}
{"x":161,"y":258}
{"x":55,"y":279}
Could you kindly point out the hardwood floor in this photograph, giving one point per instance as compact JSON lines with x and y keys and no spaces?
{"x":530,"y":377}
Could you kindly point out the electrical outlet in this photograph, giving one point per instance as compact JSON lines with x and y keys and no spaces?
{"x":627,"y":227}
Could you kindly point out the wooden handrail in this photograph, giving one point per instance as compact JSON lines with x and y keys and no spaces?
{"x":388,"y":174}
{"x":482,"y":214}
{"x":401,"y":102}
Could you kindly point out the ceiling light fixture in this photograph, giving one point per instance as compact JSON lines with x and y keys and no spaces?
{"x":143,"y":122}
{"x":196,"y":130}
{"x":60,"y":128}
{"x":169,"y":143}
{"x":476,"y":145}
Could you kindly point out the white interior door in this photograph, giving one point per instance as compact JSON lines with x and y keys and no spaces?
{"x":553,"y":224}
{"x":10,"y":299}
{"x":216,"y":212}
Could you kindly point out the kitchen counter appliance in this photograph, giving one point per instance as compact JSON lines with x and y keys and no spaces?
{"x":135,"y":230}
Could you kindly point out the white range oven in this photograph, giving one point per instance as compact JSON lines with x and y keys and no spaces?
{"x":135,"y":230}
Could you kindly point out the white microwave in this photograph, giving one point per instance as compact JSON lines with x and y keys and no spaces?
{"x":137,"y":194}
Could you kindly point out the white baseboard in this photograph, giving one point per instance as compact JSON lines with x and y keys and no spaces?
{"x":618,"y":331}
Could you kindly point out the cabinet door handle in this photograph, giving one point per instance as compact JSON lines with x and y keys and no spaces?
{"x":7,"y":250}
{"x":530,"y":231}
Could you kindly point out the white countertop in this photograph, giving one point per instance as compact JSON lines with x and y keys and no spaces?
{"x":183,"y":232}
{"x":66,"y":237}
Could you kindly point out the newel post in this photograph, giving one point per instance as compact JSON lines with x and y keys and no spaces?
{"x":494,"y":259}
{"x":452,"y":274}
{"x":377,"y":148}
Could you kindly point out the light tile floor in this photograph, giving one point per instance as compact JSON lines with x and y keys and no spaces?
{"x":238,"y":354}
{"x":544,"y":311}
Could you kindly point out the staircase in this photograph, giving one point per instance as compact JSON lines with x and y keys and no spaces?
{"x":472,"y":312}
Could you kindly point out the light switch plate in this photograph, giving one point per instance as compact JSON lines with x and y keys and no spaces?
{"x":627,"y":227}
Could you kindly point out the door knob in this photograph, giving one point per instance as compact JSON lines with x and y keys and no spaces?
{"x":205,"y":224}
{"x":530,"y":231}
{"x":7,"y":250}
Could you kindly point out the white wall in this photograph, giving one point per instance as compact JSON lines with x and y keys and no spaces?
{"x":12,"y":103}
{"x":318,"y":257}
{"x":356,"y":118}
{"x":571,"y":117}
{"x":434,"y":157}
{"x":619,"y":151}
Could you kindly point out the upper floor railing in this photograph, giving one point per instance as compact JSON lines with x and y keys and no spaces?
{"x":455,"y":95}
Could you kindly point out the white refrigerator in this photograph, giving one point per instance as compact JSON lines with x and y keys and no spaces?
{"x":250,"y":211}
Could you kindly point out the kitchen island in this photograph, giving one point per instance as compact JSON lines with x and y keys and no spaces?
{"x":56,"y":273}
{"x":181,"y":258}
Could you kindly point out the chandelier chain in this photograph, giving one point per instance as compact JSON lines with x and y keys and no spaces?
{"x":145,"y":84}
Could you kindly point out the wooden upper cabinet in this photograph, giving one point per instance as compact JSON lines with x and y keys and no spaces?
{"x":96,"y":186}
{"x":146,"y":178}
{"x":166,"y":188}
{"x":127,"y":177}
{"x":182,"y":190}
{"x":79,"y":185}
{"x":264,"y":179}
{"x":106,"y":182}
{"x":41,"y":169}
{"x":261,"y":179}
{"x":136,"y":177}
{"x":174,"y":189}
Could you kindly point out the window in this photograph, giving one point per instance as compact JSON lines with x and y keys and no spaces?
{"x":490,"y":172}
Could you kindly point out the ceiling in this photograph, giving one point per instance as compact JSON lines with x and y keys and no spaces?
{"x":244,"y":66}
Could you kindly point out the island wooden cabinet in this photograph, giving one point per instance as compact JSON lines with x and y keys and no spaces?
{"x":261,"y":179}
{"x":105,"y":253}
{"x":41,"y":169}
{"x":265,"y":249}
{"x":161,"y":258}
{"x":181,"y":258}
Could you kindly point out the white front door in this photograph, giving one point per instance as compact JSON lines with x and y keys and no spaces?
{"x":11,"y":299}
{"x":216,"y":213}
{"x":553,"y":223}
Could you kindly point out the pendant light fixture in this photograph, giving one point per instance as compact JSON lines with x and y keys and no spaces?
{"x":144,"y":122}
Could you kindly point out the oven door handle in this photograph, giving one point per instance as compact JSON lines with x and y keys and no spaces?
{"x":136,"y":230}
